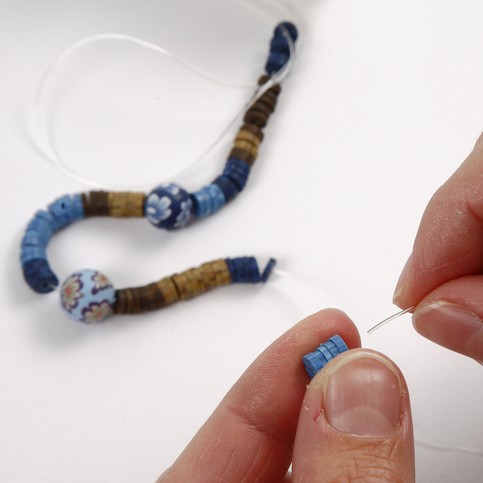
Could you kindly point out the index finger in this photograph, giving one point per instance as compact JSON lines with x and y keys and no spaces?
{"x":449,"y":242}
{"x":250,"y":435}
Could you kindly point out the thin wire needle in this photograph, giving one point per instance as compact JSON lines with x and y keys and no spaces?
{"x":389,"y":319}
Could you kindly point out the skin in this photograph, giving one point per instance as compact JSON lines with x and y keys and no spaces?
{"x":442,"y":277}
{"x":352,"y":421}
{"x":271,"y":419}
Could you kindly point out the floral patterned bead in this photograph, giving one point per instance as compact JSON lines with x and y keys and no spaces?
{"x":168,"y":206}
{"x":87,"y":296}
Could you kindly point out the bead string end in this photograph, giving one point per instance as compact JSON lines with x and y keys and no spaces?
{"x":268,"y":270}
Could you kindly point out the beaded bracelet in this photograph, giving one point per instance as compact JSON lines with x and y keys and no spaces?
{"x":88,"y":295}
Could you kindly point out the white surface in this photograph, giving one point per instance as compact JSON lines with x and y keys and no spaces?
{"x":385,"y":101}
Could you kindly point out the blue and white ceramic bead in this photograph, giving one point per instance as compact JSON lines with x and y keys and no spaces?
{"x":168,"y":206}
{"x":87,"y":296}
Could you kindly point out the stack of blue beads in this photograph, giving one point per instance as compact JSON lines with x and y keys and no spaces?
{"x":40,"y":230}
{"x":316,"y":360}
{"x":245,"y":270}
{"x":280,"y":49}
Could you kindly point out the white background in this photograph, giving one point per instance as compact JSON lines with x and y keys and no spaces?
{"x":384,"y":102}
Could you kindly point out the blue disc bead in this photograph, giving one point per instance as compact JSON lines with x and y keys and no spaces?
{"x":32,"y":253}
{"x":316,"y":360}
{"x":39,"y":276}
{"x":168,"y":206}
{"x":288,"y":27}
{"x":276,"y":61}
{"x":66,"y":210}
{"x":42,"y":225}
{"x":87,"y":296}
{"x":238,"y":171}
{"x":280,"y":44}
{"x":243,"y":270}
{"x":208,"y":200}
{"x":229,"y":187}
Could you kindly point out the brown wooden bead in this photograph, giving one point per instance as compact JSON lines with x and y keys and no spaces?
{"x":255,"y":117}
{"x":196,"y":281}
{"x":247,"y":146}
{"x":276,"y":88}
{"x":119,"y":304}
{"x":247,"y":136}
{"x":151,"y":297}
{"x":122,"y":303}
{"x":126,"y":204}
{"x":258,"y":114}
{"x":186,"y":288}
{"x":269,"y":99}
{"x":260,"y":106}
{"x":243,"y":155}
{"x":182,"y":286}
{"x":168,"y":289}
{"x":254,"y":130}
{"x":218,"y":269}
{"x":95,"y":203}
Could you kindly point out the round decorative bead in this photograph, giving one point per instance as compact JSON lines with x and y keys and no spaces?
{"x":168,"y":206}
{"x":87,"y":296}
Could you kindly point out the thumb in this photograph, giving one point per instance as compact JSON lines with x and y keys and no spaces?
{"x":452,"y":316}
{"x":355,"y":423}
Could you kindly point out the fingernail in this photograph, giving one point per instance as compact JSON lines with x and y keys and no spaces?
{"x":402,"y":282}
{"x":451,"y":326}
{"x":363,"y":396}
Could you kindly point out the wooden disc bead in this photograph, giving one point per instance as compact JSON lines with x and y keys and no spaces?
{"x":188,"y":286}
{"x":144,"y":299}
{"x":247,"y":136}
{"x":243,"y":155}
{"x":138,"y":300}
{"x":260,"y":106}
{"x":254,"y":130}
{"x":126,"y":204}
{"x":127,"y":301}
{"x":247,"y":146}
{"x":95,"y":203}
{"x":276,"y":88}
{"x":256,"y":117}
{"x":269,"y":99}
{"x":216,"y":273}
{"x":168,"y":288}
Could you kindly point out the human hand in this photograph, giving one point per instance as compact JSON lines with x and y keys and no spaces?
{"x":443,"y":275}
{"x":351,"y":423}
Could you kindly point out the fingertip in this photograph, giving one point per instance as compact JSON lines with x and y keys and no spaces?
{"x":452,"y":317}
{"x":402,"y":295}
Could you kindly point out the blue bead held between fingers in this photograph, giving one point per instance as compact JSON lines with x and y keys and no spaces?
{"x":316,"y":360}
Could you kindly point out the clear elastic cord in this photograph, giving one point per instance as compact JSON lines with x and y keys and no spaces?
{"x":47,"y":138}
